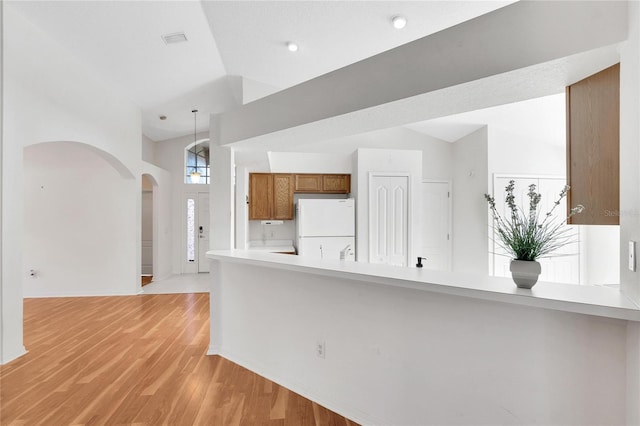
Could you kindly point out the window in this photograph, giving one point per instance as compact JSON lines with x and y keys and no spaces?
{"x":197,"y":161}
{"x":191,"y":230}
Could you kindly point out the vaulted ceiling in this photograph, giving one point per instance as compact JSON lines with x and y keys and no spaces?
{"x":121,"y":41}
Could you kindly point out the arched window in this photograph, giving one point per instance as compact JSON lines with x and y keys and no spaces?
{"x":197,"y":162}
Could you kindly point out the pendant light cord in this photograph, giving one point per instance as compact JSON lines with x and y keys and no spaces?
{"x":195,"y":143}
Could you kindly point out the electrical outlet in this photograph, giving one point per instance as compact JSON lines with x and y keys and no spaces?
{"x":320,"y":349}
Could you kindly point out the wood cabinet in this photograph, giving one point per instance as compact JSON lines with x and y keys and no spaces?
{"x":323,"y":183}
{"x":336,"y":184}
{"x":271,"y":194}
{"x":593,"y":148}
{"x":308,"y":183}
{"x":282,"y":197}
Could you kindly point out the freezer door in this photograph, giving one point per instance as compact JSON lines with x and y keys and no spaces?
{"x":327,"y":248}
{"x":325,"y":217}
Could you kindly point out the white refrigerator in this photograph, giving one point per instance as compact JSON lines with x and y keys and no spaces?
{"x":326,"y":228}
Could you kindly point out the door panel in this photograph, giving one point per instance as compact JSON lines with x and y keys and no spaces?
{"x":203,"y":231}
{"x":434,"y":223}
{"x":388,"y":219}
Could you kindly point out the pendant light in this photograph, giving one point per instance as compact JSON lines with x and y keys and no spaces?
{"x":195,"y":175}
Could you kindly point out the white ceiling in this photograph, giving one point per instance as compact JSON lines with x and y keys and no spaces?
{"x":538,"y":119}
{"x":121,"y":40}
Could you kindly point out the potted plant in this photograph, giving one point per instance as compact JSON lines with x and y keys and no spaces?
{"x":528,"y":236}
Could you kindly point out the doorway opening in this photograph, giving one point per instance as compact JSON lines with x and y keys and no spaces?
{"x":196,"y":220}
{"x":147,"y":229}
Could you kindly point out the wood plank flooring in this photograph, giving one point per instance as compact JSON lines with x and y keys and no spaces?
{"x":137,"y":360}
{"x":146,"y":279}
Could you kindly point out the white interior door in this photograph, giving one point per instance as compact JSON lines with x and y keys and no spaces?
{"x":203,"y":231}
{"x":434,"y":223}
{"x":389,"y":219}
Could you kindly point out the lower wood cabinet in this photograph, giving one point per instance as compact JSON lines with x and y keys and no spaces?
{"x":271,"y":194}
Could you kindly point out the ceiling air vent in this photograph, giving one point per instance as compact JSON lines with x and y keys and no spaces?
{"x":174,"y":38}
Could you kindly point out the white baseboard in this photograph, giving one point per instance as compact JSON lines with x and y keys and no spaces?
{"x":98,"y":294}
{"x":13,"y":356}
{"x":213,"y":350}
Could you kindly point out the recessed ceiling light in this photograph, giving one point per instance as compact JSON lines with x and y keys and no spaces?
{"x":174,"y":38}
{"x":293,"y":47}
{"x":399,"y":22}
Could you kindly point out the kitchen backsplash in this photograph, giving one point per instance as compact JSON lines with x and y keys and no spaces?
{"x":286,"y":231}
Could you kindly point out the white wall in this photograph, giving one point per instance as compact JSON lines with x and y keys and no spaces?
{"x":148,"y":150}
{"x":170,"y":156}
{"x":11,"y":336}
{"x":601,"y":254}
{"x":630,"y":150}
{"x":470,"y":214}
{"x":222,"y":198}
{"x":163,"y":204}
{"x":407,"y":357}
{"x":50,"y":96}
{"x":79,"y":237}
{"x":633,"y":374}
{"x":630,"y":194}
{"x":304,"y":162}
{"x":385,"y":160}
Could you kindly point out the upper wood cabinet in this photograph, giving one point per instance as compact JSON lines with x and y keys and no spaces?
{"x":323,"y":183}
{"x":271,"y":194}
{"x":308,"y":183}
{"x":282,"y":196}
{"x":336,"y":184}
{"x":593,"y":148}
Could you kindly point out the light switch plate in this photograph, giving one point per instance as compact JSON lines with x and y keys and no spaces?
{"x":632,"y":256}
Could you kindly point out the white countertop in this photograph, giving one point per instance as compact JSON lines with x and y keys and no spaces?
{"x":592,"y":300}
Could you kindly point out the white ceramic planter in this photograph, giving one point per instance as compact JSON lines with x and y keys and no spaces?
{"x":525,"y":272}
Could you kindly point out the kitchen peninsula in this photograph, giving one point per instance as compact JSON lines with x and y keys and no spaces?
{"x":391,"y":345}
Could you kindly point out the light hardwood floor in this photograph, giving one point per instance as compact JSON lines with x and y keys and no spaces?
{"x":137,"y":360}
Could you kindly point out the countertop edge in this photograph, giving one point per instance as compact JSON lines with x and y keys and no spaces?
{"x":590,"y":300}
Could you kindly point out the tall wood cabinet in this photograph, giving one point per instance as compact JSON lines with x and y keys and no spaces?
{"x":593,"y":147}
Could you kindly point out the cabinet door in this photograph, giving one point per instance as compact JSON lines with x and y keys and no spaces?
{"x":308,"y":183}
{"x":260,"y":196}
{"x":336,"y":184}
{"x":593,"y":147}
{"x":282,"y":197}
